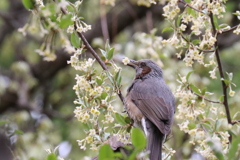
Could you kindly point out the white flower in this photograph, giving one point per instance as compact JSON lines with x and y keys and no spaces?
{"x":213,"y":74}
{"x":231,"y":93}
{"x":237,"y":31}
{"x":70,"y":29}
{"x":125,"y":61}
{"x":69,"y":49}
{"x":183,"y":27}
{"x":23,"y":30}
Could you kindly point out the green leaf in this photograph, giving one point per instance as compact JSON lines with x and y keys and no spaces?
{"x":195,"y":89}
{"x":215,"y":21}
{"x":107,"y":46}
{"x":189,"y":10}
{"x":120,"y":119}
{"x":188,"y":75}
{"x":179,"y":19}
{"x":103,"y":53}
{"x":191,"y":125}
{"x":65,"y":21}
{"x":207,"y":126}
{"x":105,"y":153}
{"x":52,"y":156}
{"x":133,"y":155}
{"x":104,"y":95}
{"x":138,"y":139}
{"x":203,"y":91}
{"x":233,"y":150}
{"x":118,"y":77}
{"x":196,"y":41}
{"x":99,"y":81}
{"x":223,"y":25}
{"x":221,"y":98}
{"x":167,"y":29}
{"x":75,"y":40}
{"x":110,"y":53}
{"x":52,"y":8}
{"x":119,"y":81}
{"x":227,"y":82}
{"x":18,"y":132}
{"x":129,"y":129}
{"x":110,"y":77}
{"x":28,"y":4}
{"x":3,"y":122}
{"x":127,"y":120}
{"x":103,"y":58}
{"x":71,"y":8}
{"x":188,"y":1}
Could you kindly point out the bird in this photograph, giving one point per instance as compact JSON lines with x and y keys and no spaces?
{"x":150,"y":104}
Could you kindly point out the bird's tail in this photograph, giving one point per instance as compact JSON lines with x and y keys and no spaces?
{"x":155,"y":142}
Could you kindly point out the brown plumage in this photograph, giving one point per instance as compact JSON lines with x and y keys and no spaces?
{"x":150,"y":104}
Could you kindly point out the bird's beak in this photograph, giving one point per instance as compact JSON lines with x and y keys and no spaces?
{"x":133,"y":63}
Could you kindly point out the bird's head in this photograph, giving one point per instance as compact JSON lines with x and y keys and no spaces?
{"x":145,"y":68}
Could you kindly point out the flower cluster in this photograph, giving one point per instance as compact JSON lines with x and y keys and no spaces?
{"x":81,"y":26}
{"x":84,"y":65}
{"x":171,"y":10}
{"x":93,"y":100}
{"x":94,"y":103}
{"x":46,"y":52}
{"x":193,"y":117}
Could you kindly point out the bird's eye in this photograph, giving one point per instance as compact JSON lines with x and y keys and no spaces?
{"x":143,"y":64}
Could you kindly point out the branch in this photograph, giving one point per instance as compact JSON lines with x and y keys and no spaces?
{"x":229,"y":30}
{"x":224,"y":86}
{"x":235,"y":122}
{"x":207,"y":99}
{"x":188,"y":5}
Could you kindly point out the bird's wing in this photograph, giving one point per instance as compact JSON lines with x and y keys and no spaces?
{"x":155,"y":100}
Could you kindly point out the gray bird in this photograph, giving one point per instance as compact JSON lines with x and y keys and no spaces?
{"x":150,"y":104}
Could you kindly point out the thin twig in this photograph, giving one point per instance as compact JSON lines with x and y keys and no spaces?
{"x":207,"y":99}
{"x":235,"y":122}
{"x":201,"y":50}
{"x":224,"y":86}
{"x":229,"y":30}
{"x":188,"y":5}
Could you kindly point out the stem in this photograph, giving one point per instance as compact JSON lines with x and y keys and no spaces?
{"x":207,"y":99}
{"x":220,"y":69}
{"x":235,"y":122}
{"x":229,"y":30}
